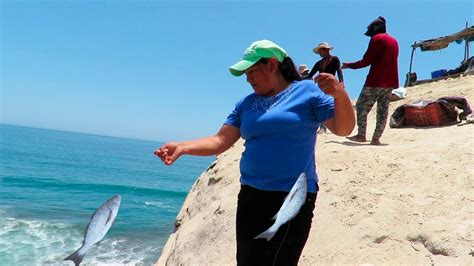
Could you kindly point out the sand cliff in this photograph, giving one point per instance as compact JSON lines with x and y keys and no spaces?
{"x":410,"y":201}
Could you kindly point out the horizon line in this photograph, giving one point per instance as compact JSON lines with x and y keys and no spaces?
{"x":83,"y":133}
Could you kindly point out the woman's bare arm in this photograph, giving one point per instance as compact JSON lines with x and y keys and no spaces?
{"x":207,"y":146}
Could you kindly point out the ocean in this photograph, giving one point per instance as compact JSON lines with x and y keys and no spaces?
{"x":51,"y":182}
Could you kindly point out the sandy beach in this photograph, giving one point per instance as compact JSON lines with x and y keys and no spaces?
{"x":409,"y":201}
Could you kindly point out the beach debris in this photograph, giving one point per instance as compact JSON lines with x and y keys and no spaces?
{"x":101,"y":221}
{"x":290,"y":207}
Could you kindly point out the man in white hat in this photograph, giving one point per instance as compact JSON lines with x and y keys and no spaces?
{"x":328,"y":63}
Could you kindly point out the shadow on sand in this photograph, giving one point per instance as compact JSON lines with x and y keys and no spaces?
{"x":350,"y":143}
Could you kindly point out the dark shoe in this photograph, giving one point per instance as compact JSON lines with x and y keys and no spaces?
{"x":357,"y":138}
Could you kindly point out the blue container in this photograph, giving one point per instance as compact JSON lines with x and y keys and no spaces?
{"x":439,"y":73}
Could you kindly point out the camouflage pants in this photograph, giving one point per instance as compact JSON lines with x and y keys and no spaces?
{"x":367,"y":98}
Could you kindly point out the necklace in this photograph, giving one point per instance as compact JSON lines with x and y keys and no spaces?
{"x":262,"y":103}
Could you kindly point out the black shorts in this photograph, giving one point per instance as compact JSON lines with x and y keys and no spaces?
{"x":255,"y":210}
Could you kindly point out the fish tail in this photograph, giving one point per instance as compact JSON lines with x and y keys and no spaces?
{"x":77,"y":256}
{"x":268,"y":234}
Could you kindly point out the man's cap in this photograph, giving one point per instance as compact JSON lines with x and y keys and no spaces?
{"x":256,"y":51}
{"x":377,"y":26}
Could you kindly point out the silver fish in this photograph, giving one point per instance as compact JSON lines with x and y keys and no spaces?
{"x":290,"y":207}
{"x":100,"y":223}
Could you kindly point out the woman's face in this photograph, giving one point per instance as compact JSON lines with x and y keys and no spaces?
{"x":259,"y":77}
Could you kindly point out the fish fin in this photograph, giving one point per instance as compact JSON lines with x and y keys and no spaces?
{"x":109,"y":217}
{"x":275,"y":217}
{"x":292,"y":195}
{"x":77,"y":256}
{"x":268,"y":234}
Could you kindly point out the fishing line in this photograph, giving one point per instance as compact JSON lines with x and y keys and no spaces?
{"x":281,"y":244}
{"x":289,"y":222}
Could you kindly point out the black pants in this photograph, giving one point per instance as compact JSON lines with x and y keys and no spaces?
{"x":255,"y":211}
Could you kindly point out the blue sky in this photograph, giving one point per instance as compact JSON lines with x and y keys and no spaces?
{"x":158,"y":70}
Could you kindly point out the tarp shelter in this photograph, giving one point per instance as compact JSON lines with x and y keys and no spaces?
{"x":466,"y":35}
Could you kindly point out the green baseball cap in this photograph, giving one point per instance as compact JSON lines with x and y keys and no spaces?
{"x":256,"y":51}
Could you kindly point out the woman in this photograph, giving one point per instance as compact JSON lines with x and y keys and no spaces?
{"x":278,"y":122}
{"x":328,"y":63}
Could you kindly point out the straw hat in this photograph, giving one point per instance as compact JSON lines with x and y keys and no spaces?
{"x":322,"y":45}
{"x":303,"y":68}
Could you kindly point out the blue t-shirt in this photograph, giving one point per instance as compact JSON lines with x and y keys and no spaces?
{"x":280,"y":135}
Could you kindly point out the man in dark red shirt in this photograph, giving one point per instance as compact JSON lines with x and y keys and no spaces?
{"x":382,"y":56}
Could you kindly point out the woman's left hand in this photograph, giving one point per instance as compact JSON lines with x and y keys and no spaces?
{"x":330,"y":85}
{"x":343,"y":121}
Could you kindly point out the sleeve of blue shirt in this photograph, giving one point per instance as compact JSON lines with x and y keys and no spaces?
{"x":234,"y":118}
{"x":322,"y":104}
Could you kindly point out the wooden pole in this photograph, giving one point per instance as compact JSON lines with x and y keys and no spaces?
{"x":411,"y":58}
{"x":466,"y":50}
{"x":408,"y":77}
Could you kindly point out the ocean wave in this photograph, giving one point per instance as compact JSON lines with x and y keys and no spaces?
{"x":159,"y":204}
{"x":24,"y":242}
{"x":47,"y":183}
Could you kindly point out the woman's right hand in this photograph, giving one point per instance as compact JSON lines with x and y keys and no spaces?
{"x":207,"y":146}
{"x":170,"y":152}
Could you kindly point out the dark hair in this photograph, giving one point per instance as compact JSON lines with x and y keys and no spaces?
{"x":287,"y":69}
